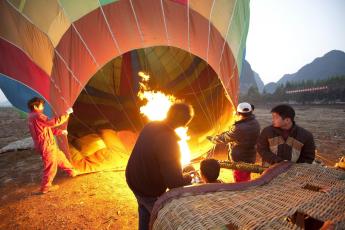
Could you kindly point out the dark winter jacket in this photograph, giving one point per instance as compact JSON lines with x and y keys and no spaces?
{"x":242,"y":138}
{"x":154,"y":164}
{"x":298,"y":147}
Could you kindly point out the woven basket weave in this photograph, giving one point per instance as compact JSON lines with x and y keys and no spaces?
{"x":297,"y":188}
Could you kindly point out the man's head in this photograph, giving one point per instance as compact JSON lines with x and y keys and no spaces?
{"x":36,"y":104}
{"x":180,"y":114}
{"x":209,"y":170}
{"x":283,"y":116}
{"x":244,"y":109}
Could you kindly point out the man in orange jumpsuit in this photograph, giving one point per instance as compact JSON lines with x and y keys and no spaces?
{"x":42,"y":131}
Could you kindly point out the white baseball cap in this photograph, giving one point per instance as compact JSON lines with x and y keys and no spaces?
{"x":244,"y":107}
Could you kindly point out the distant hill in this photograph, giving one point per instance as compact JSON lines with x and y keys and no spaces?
{"x":270,"y":87}
{"x":260,"y":84}
{"x":249,"y":78}
{"x":330,"y":65}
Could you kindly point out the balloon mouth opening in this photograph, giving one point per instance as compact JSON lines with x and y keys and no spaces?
{"x":107,"y":117}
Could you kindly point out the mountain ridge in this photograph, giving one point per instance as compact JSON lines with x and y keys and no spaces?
{"x":329,"y":65}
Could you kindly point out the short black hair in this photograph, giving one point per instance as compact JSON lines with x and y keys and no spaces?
{"x":36,"y":101}
{"x":210,"y":168}
{"x":285,"y":111}
{"x":188,"y":169}
{"x":181,"y":112}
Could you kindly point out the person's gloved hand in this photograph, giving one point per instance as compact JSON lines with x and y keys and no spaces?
{"x":214,"y":140}
{"x":64,"y":132}
{"x":69,"y":110}
{"x":210,"y":138}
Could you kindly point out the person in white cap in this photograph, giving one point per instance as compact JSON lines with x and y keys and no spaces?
{"x":241,"y":139}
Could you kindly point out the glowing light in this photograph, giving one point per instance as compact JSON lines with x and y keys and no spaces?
{"x":156,"y":109}
{"x":144,"y":76}
{"x":184,"y":148}
{"x":157,"y":106}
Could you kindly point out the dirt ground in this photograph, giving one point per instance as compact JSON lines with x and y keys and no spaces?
{"x":103,"y":200}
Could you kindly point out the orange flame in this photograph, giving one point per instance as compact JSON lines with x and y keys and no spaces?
{"x":156,"y":109}
{"x":184,"y":148}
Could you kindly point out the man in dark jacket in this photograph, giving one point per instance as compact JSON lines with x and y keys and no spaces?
{"x":284,"y":140}
{"x":241,"y":139}
{"x":154,"y":164}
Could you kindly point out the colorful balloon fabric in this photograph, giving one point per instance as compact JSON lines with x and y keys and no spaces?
{"x":87,"y":54}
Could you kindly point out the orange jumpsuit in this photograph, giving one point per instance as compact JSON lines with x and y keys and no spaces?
{"x":42,"y":131}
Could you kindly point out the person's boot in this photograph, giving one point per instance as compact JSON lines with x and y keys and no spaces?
{"x":50,"y":189}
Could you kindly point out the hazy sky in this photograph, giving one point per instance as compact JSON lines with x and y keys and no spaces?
{"x":284,"y":35}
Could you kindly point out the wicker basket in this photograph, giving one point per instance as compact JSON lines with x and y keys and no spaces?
{"x":268,"y":202}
